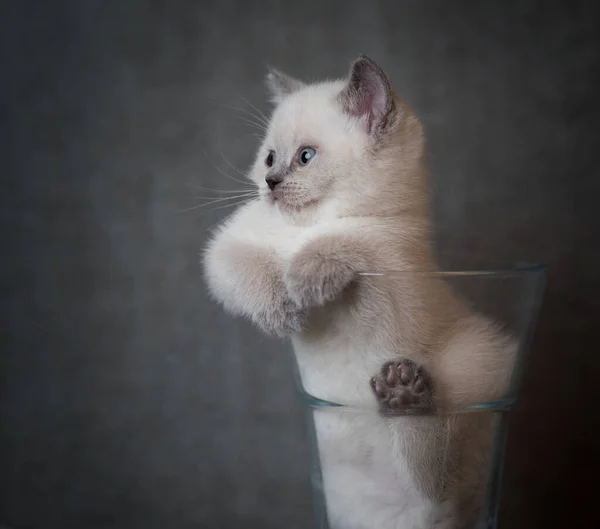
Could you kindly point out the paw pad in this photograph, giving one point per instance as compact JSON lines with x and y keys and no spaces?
{"x":402,"y":383}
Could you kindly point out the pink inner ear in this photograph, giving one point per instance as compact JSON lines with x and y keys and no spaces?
{"x":371,"y":101}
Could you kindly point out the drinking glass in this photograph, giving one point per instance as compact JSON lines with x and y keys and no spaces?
{"x":510,"y":297}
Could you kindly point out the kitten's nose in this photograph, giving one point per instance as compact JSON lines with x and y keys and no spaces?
{"x":272,"y":180}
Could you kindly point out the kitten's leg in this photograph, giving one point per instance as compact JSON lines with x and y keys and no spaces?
{"x":248,"y":280}
{"x":323,"y":268}
{"x":422,"y":437}
{"x":403,"y":383}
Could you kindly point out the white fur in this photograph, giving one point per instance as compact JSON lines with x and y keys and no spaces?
{"x":367,"y":480}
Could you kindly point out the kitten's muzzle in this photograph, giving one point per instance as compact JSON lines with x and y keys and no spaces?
{"x":273,"y":179}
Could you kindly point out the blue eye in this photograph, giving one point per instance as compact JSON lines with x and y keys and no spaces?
{"x":306,"y":155}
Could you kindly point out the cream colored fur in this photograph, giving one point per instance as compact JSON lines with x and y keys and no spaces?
{"x":289,"y":262}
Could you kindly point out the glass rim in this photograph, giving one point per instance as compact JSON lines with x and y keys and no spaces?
{"x":499,"y":405}
{"x":517,"y":270}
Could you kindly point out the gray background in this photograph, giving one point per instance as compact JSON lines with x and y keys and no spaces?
{"x":128,"y":399}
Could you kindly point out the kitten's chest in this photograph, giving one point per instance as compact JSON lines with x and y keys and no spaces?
{"x":285,"y":239}
{"x":287,"y":242}
{"x":262,"y":227}
{"x":266,"y":226}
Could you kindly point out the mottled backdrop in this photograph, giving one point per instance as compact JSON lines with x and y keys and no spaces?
{"x":127,"y":398}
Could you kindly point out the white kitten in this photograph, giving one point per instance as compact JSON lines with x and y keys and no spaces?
{"x":343,"y":190}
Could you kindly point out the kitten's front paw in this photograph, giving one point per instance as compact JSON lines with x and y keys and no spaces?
{"x":402,"y":383}
{"x":282,"y":319}
{"x":312,"y":279}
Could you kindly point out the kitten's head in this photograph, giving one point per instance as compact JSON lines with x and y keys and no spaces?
{"x":345,"y":146}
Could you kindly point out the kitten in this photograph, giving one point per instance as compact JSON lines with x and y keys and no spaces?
{"x":343,"y":189}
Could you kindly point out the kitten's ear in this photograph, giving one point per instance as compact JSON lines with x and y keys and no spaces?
{"x":369,"y":94}
{"x":281,"y":85}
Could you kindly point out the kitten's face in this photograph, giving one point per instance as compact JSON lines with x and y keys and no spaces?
{"x":311,"y":146}
{"x":325,"y":143}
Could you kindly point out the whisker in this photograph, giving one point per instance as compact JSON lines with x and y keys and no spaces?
{"x":230,"y":205}
{"x":239,"y":171}
{"x":259,"y":126}
{"x":228,"y":176}
{"x":243,"y":182}
{"x":247,"y":194}
{"x":234,"y":204}
{"x":223,"y":191}
{"x":212,"y":201}
{"x":259,"y":114}
{"x":257,"y":121}
{"x":261,"y":119}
